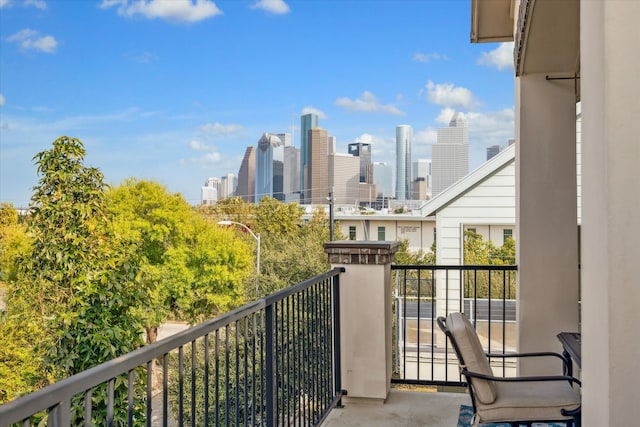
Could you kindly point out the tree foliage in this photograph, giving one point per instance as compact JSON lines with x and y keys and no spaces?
{"x":77,"y":285}
{"x":190,"y":267}
{"x":480,"y":252}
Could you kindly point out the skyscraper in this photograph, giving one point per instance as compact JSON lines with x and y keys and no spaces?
{"x":493,"y":150}
{"x":363,"y":152}
{"x":210,"y":191}
{"x":422,"y":169}
{"x":247,"y":176}
{"x":344,"y":178}
{"x":269,"y":168}
{"x":228,"y":185}
{"x":291,"y":174}
{"x":307,"y":122}
{"x":383,"y":179}
{"x":318,"y":168}
{"x":404,"y":142}
{"x":450,"y":154}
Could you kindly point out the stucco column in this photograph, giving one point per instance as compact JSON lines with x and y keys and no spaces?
{"x":610,"y":211}
{"x":546,"y":216}
{"x":365,"y":316}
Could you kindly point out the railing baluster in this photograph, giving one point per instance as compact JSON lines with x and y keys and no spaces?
{"x":165,"y":390}
{"x":130,"y":398}
{"x":205,"y":380}
{"x":269,"y":350}
{"x":180,"y":386}
{"x":110,"y":398}
{"x":87,"y":408}
{"x":194,"y":353}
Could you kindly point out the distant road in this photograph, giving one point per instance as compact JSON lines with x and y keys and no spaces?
{"x":480,"y":312}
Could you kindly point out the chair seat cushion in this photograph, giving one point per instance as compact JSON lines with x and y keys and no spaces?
{"x":529,"y":401}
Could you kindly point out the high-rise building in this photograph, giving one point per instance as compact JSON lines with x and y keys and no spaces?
{"x":344,"y":178}
{"x":422,"y":169}
{"x":331,"y":141}
{"x":450,"y":155}
{"x":404,"y":179}
{"x":210,"y":191}
{"x":383,"y":179}
{"x":307,"y":122}
{"x":228,"y":185}
{"x":291,"y":174}
{"x":247,"y":176}
{"x":363,"y":152}
{"x":318,"y":168}
{"x":493,"y":150}
{"x":285,"y":138}
{"x":269,"y":168}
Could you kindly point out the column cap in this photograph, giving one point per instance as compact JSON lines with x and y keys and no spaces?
{"x":361,"y":252}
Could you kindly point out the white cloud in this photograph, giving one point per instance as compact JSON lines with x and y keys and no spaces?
{"x":199,"y":146}
{"x":170,"y":10}
{"x":146,"y":58}
{"x":500,"y":57}
{"x":448,"y":95}
{"x":445,"y":115}
{"x":312,"y":110}
{"x":218,"y":129}
{"x":427,"y":57}
{"x":1,"y":100}
{"x":40,"y":4}
{"x":30,"y":39}
{"x":210,"y":157}
{"x":367,"y":102}
{"x":426,"y":136}
{"x":278,"y":7}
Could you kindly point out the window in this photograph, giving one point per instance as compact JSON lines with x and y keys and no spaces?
{"x":507,"y":233}
{"x":352,"y":232}
{"x":381,"y":233}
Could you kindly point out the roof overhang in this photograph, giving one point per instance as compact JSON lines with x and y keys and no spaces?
{"x":492,"y":20}
{"x":547,"y":38}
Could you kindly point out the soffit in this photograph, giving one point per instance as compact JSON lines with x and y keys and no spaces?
{"x":492,"y":20}
{"x":547,"y":38}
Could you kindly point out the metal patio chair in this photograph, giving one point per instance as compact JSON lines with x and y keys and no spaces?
{"x":514,"y":400}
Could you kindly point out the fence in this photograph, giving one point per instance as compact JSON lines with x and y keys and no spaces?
{"x":486,"y":294}
{"x":275,"y":361}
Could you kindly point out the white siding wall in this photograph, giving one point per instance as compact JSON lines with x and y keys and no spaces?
{"x":418,"y":232}
{"x":490,"y":202}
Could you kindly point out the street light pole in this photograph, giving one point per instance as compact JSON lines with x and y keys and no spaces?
{"x":255,"y":236}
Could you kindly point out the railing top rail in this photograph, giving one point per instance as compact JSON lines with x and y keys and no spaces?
{"x":508,"y":267}
{"x":25,"y":406}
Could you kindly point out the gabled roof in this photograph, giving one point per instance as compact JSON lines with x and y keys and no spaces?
{"x":469,"y":181}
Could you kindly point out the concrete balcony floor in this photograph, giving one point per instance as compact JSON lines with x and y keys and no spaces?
{"x":402,"y":408}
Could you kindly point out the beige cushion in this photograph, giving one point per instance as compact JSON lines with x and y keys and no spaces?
{"x":529,"y":401}
{"x":474,"y":356}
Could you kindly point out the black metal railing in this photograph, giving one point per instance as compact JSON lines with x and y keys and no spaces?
{"x":485,"y":293}
{"x":275,"y":361}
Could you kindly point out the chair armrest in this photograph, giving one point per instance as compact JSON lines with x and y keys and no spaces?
{"x":571,"y":380}
{"x":565,"y":361}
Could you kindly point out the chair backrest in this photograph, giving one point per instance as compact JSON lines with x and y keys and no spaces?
{"x":471,"y":355}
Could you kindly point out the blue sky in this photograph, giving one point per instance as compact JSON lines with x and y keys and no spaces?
{"x":175,"y":90}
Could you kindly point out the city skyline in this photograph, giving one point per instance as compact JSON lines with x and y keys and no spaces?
{"x":177,"y":94}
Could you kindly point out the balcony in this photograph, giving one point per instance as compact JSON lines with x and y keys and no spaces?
{"x":289,"y":358}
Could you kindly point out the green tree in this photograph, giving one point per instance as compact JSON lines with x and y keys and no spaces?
{"x":480,"y":252}
{"x":191,"y":268}
{"x":78,"y":283}
{"x":151,"y":221}
{"x":20,"y":371}
{"x":291,"y":257}
{"x":208,"y":275}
